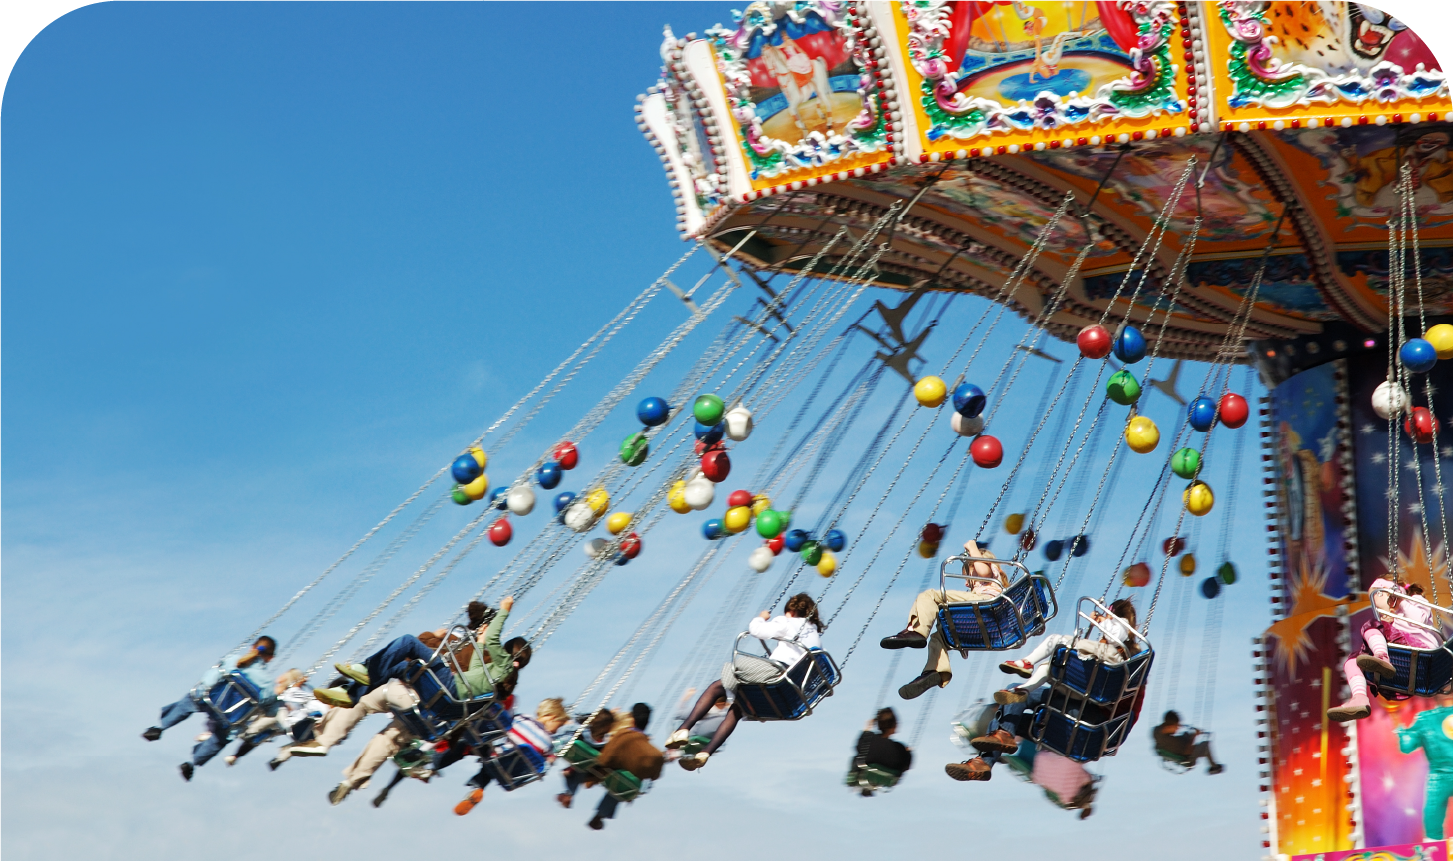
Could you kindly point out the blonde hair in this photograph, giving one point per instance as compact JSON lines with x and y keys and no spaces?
{"x":291,"y":677}
{"x":623,"y":721}
{"x":554,"y":707}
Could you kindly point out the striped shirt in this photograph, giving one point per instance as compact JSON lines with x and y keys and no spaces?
{"x":527,"y":731}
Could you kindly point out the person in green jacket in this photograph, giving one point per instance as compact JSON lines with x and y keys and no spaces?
{"x":1432,"y":731}
{"x":490,"y":662}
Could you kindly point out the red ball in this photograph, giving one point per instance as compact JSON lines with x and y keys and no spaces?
{"x":739,"y":498}
{"x":1094,"y":342}
{"x":716,"y":466}
{"x":932,"y":533}
{"x":631,"y":545}
{"x":1137,"y":575}
{"x":1234,"y":410}
{"x":702,"y":446}
{"x":1420,"y":425}
{"x":987,"y":451}
{"x":1173,"y":546}
{"x":1027,"y":539}
{"x":565,"y":455}
{"x":776,"y":544}
{"x":500,"y":532}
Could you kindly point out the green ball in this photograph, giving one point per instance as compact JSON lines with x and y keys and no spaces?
{"x":708,"y":409}
{"x":769,"y":524}
{"x":786,"y":519}
{"x":1186,"y":462}
{"x":1123,"y":388}
{"x":459,"y":496}
{"x":811,"y":552}
{"x":634,"y":449}
{"x":1227,"y":573}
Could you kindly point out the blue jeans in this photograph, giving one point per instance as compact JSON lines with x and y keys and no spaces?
{"x":392,"y":662}
{"x":607,"y":808}
{"x":206,"y":749}
{"x":177,"y":712}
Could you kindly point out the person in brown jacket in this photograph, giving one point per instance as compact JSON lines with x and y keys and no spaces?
{"x":628,"y":750}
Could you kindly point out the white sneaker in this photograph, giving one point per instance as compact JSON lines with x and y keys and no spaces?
{"x":679,"y":738}
{"x":230,"y":760}
{"x":692,"y":763}
{"x":307,"y":748}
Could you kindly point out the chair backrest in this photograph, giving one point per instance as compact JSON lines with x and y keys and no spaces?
{"x":1417,"y":672}
{"x":1007,"y":620}
{"x":232,"y":701}
{"x":794,"y":693}
{"x":1102,"y":683}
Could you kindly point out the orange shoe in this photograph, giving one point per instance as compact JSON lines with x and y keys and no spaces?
{"x":469,"y":801}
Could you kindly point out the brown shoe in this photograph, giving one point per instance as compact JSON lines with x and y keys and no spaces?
{"x":1010,"y":696}
{"x":974,"y":769}
{"x":1000,"y":740}
{"x":564,"y":798}
{"x":1375,"y":665}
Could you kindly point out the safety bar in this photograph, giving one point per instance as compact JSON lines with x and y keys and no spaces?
{"x":1393,"y":593}
{"x":1095,"y":623}
{"x":963,"y":560}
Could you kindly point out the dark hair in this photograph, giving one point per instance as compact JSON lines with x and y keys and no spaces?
{"x":253,"y":654}
{"x":641,"y":715}
{"x":271,"y":643}
{"x":1413,"y":589}
{"x":505,"y":687}
{"x":1125,"y":610}
{"x":887,"y":721}
{"x":478,"y":612}
{"x":1171,"y":717}
{"x":519,"y":649}
{"x":802,"y":606}
{"x":601,"y":722}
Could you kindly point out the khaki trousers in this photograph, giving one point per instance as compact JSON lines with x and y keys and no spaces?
{"x":337,"y":723}
{"x":380,"y":749}
{"x":925,"y":611}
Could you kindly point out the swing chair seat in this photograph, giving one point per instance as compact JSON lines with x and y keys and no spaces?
{"x":1005,"y":621}
{"x":1420,"y":672}
{"x":1102,"y":683}
{"x":793,"y":692}
{"x":516,"y":766}
{"x":1079,"y":729}
{"x":872,"y":779}
{"x":231,"y":702}
{"x":439,"y":713}
{"x":622,"y":785}
{"x":1174,"y":762}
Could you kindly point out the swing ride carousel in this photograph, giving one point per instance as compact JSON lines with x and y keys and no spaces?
{"x":1241,"y":184}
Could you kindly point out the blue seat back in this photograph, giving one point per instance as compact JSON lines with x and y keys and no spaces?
{"x":1420,"y":672}
{"x":1006,"y":622}
{"x":439,"y":712}
{"x":795,"y":693}
{"x":516,"y":766}
{"x":1106,"y":684}
{"x":1074,"y":726}
{"x":232,"y":701}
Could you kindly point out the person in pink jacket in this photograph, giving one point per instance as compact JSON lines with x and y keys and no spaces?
{"x":1400,"y":615}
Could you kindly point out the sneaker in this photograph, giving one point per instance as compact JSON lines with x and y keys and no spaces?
{"x":470,"y":800}
{"x":974,"y":769}
{"x":1216,"y":769}
{"x":1010,"y":696}
{"x":924,"y":683}
{"x":1375,"y":665}
{"x":272,"y":764}
{"x":307,"y":748}
{"x":152,"y":733}
{"x":186,"y":770}
{"x":339,"y":793}
{"x":680,"y":738}
{"x":379,"y":799}
{"x":203,"y":737}
{"x":692,"y":763}
{"x":334,"y":697}
{"x":356,"y":672}
{"x":1353,"y":709}
{"x":1000,"y":740}
{"x":230,"y":760}
{"x":565,"y":799}
{"x":595,"y":824}
{"x":1023,"y":669}
{"x":905,"y":639}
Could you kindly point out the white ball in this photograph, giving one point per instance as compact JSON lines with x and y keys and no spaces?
{"x":965,"y":426}
{"x":579,"y":517}
{"x":595,"y":547}
{"x":699,"y":493}
{"x":738,"y":423}
{"x":520,"y":500}
{"x":1389,"y":399}
{"x":761,"y":559}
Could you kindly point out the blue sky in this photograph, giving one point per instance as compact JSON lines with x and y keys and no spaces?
{"x":268,"y":266}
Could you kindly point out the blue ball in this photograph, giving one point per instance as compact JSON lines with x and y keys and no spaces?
{"x":1418,"y":356}
{"x":621,"y":559}
{"x":497,"y":497}
{"x":1053,"y":550}
{"x":1082,"y":547}
{"x":1129,"y":345}
{"x":1201,"y":413}
{"x":467,"y":469}
{"x":563,"y":500}
{"x":711,"y":529}
{"x":653,"y":411}
{"x":836,"y":540}
{"x":1211,"y":587}
{"x":549,"y":475}
{"x":968,"y":400}
{"x":794,"y":539}
{"x":710,"y":434}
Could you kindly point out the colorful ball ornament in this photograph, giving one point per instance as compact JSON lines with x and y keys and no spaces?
{"x":1201,"y":413}
{"x":549,"y":475}
{"x":1173,"y":546}
{"x":465,"y":468}
{"x":1234,"y":410}
{"x":708,"y":409}
{"x":459,"y":496}
{"x":811,"y":552}
{"x":776,"y":544}
{"x":1129,"y":345}
{"x":1054,"y":549}
{"x":965,"y":426}
{"x":1186,"y":462}
{"x":1187,"y":564}
{"x":930,"y":392}
{"x":1094,"y":342}
{"x":737,"y":519}
{"x":987,"y":452}
{"x":1136,"y":575}
{"x":1198,"y":498}
{"x":835,"y":540}
{"x":634,"y":449}
{"x":760,"y":560}
{"x":769,"y":524}
{"x":716,"y":466}
{"x":653,"y":412}
{"x":710,"y":434}
{"x":578,"y":517}
{"x":738,"y":422}
{"x":520,"y":499}
{"x":483,"y":460}
{"x":617,"y":522}
{"x":827,"y":565}
{"x":1123,"y":388}
{"x":1210,"y":587}
{"x":1418,"y":355}
{"x":738,"y":498}
{"x":1028,"y":539}
{"x":1226,"y":573}
{"x":563,"y":500}
{"x":497,"y":498}
{"x":969,"y":400}
{"x":598,"y":501}
{"x":565,"y":455}
{"x":932,"y":533}
{"x":760,"y":504}
{"x":1080,"y":545}
{"x":676,"y":498}
{"x":1014,"y":523}
{"x":928,"y":549}
{"x":795,"y":539}
{"x":476,"y":488}
{"x":1389,"y":399}
{"x":1142,"y":435}
{"x":1441,"y":337}
{"x":712,"y":529}
{"x":500,"y":532}
{"x":699,"y":492}
{"x":1420,"y":425}
{"x":595,"y":547}
{"x":631,"y":545}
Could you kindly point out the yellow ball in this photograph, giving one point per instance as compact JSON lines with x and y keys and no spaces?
{"x":617,"y":523}
{"x":1441,"y":337}
{"x":1142,"y":435}
{"x":598,"y":501}
{"x":1198,"y":498}
{"x":760,"y":504}
{"x":928,"y":549}
{"x":930,"y":391}
{"x":737,"y":519}
{"x":479,"y":456}
{"x":477,"y":488}
{"x":1014,"y":523}
{"x":677,"y":498}
{"x":827,"y":565}
{"x":1188,"y":564}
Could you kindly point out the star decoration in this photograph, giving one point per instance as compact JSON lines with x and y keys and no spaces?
{"x":1309,"y":603}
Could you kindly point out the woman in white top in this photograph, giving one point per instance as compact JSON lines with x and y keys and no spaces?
{"x":1117,"y":644}
{"x":796,"y":630}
